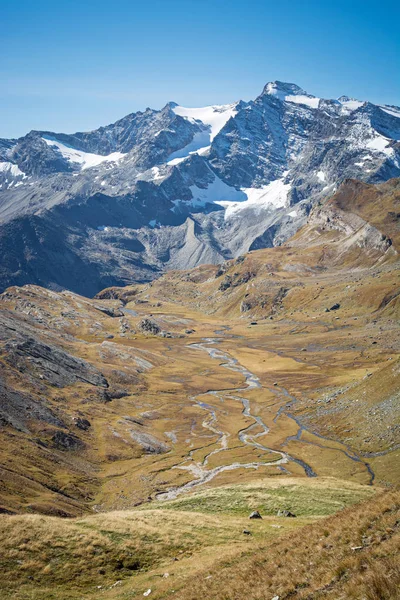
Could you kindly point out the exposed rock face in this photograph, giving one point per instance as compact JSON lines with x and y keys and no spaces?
{"x":180,"y":187}
{"x":82,"y":424}
{"x":149,"y":443}
{"x":53,"y":365}
{"x":66,"y":441}
{"x":18,"y":408}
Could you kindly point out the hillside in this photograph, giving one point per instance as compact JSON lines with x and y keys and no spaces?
{"x":156,"y":417}
{"x":198,"y":548}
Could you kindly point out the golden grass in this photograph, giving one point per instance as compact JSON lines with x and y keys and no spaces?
{"x":48,"y":557}
{"x":352,"y":555}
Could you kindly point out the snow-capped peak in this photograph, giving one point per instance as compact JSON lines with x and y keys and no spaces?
{"x":282,"y":89}
{"x":350,"y":104}
{"x":290,"y":92}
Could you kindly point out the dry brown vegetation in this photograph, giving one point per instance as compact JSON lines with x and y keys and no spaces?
{"x":328,"y":395}
{"x":352,"y":555}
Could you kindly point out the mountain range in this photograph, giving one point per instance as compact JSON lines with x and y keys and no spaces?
{"x":179,"y":187}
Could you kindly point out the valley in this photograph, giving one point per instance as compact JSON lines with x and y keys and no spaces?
{"x":141,"y":427}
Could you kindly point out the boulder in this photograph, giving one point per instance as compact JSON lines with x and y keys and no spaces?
{"x":66,"y":441}
{"x":255,"y":515}
{"x":285,"y":513}
{"x":149,"y":326}
{"x":82,"y":424}
{"x":335,"y":306}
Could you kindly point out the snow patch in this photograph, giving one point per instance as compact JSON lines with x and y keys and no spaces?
{"x":85,"y":159}
{"x":309,"y":101}
{"x":199,"y":143}
{"x":280,"y":90}
{"x":176,"y":161}
{"x":215,"y":117}
{"x":11,"y":169}
{"x":215,"y":193}
{"x":321,"y":176}
{"x":271,"y":196}
{"x":380,"y":143}
{"x":362,"y":160}
{"x":391,"y":110}
{"x":156,"y":174}
{"x":350,"y":104}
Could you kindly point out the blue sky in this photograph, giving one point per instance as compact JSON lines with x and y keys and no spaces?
{"x":68,"y":66}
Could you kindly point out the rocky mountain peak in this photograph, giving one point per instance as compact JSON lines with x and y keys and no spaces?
{"x":342,"y":99}
{"x":280,"y":89}
{"x":177,"y":187}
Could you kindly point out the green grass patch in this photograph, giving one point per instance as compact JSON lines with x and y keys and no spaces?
{"x":304,"y":501}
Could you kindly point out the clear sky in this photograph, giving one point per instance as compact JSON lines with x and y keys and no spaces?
{"x":75,"y":65}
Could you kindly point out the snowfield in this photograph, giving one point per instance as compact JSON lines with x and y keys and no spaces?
{"x":215,"y":117}
{"x":85,"y":159}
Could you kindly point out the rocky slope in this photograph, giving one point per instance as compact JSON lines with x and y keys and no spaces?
{"x":179,"y":187}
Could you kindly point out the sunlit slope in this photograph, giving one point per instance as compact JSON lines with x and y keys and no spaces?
{"x":48,"y":557}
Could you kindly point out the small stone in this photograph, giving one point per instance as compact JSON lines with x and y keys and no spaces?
{"x":246,"y":532}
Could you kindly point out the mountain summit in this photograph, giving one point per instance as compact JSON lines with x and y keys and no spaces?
{"x":177,"y":187}
{"x":282,"y":89}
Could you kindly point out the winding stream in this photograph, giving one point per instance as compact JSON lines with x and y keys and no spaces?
{"x":199,"y":469}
